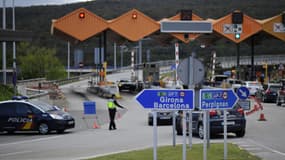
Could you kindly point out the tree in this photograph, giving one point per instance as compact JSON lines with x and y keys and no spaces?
{"x":35,"y":62}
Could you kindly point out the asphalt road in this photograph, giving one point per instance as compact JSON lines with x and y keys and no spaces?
{"x":263,"y":138}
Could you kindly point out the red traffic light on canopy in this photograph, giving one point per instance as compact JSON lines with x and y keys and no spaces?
{"x":134,"y":15}
{"x":81,"y":15}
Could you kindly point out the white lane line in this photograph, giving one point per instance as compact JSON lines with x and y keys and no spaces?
{"x":29,"y":141}
{"x":268,"y":148}
{"x":14,"y":153}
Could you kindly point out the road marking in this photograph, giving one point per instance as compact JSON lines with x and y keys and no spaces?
{"x":124,"y":151}
{"x":26,"y":141}
{"x":14,"y":153}
{"x":268,"y":148}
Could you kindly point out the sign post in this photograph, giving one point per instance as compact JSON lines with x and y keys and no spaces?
{"x":191,"y":71}
{"x":154,"y":134}
{"x":220,"y":99}
{"x":162,"y":99}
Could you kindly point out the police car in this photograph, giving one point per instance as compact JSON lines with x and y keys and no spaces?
{"x":33,"y":115}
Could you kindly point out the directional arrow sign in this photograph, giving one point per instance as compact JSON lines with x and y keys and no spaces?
{"x":242,"y":92}
{"x":217,"y":99}
{"x":174,"y":99}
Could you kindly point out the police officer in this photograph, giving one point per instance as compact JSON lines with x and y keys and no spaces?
{"x":112,"y":103}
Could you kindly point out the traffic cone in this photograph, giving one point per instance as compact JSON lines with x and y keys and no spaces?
{"x":262,"y":117}
{"x":255,"y":107}
{"x":64,"y":109}
{"x":95,"y":125}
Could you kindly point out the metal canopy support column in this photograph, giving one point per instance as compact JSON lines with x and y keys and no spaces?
{"x":100,"y":48}
{"x":238,"y":58}
{"x":121,"y":51}
{"x":140,"y":51}
{"x":115,"y":55}
{"x":100,"y":58}
{"x":252,"y":59}
{"x":68,"y":60}
{"x":105,"y":46}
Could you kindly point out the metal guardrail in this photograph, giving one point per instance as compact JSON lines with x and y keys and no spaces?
{"x":28,"y":81}
{"x":33,"y":93}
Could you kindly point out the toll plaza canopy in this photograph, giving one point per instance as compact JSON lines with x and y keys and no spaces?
{"x":274,"y":26}
{"x":134,"y":25}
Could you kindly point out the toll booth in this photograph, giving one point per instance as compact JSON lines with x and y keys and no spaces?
{"x":151,"y":72}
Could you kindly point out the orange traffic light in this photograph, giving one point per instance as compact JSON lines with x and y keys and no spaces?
{"x":81,"y":15}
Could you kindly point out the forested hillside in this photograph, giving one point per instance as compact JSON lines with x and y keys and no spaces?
{"x":38,"y":19}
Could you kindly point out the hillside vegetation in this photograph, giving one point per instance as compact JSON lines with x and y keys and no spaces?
{"x":6,"y":92}
{"x":38,"y":19}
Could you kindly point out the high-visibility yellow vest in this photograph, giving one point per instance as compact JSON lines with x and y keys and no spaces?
{"x":111,"y":104}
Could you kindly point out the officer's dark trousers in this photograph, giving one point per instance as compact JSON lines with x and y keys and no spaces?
{"x":112,"y":113}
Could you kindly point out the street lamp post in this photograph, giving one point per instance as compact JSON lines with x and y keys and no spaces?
{"x":14,"y":50}
{"x":4,"y":44}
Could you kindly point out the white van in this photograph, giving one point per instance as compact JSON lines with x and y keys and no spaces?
{"x":218,"y":79}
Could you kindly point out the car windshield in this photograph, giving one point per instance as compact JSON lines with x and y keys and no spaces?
{"x":44,"y":106}
{"x":125,"y":80}
{"x":275,"y":88}
{"x":220,"y":79}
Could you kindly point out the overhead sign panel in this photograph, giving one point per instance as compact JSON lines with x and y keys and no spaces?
{"x":186,"y":27}
{"x":232,"y":28}
{"x":217,"y":99}
{"x":162,"y":99}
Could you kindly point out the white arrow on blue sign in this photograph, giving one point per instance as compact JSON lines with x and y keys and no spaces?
{"x":242,"y":92}
{"x":217,"y":99}
{"x":163,"y":99}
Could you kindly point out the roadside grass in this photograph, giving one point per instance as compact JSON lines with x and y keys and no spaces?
{"x":215,"y":152}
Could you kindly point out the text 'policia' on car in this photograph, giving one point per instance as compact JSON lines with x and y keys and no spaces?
{"x":32,"y":115}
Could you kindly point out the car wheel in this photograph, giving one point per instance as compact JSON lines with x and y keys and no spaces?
{"x":150,"y":123}
{"x":178,"y":125}
{"x":179,"y":132}
{"x":240,"y":133}
{"x":201,"y":131}
{"x":278,"y":103}
{"x":43,"y":128}
{"x":263,"y":99}
{"x":10,"y":131}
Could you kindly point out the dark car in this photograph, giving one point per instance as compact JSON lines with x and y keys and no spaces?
{"x":235,"y":120}
{"x":130,"y":86}
{"x":269,"y":92}
{"x":163,"y":118}
{"x":33,"y":115}
{"x":281,"y":93}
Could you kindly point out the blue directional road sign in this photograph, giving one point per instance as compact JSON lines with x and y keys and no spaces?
{"x":242,"y":92}
{"x":162,"y":99}
{"x":217,"y":99}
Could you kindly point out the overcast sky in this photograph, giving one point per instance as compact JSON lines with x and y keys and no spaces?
{"x":39,"y":2}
